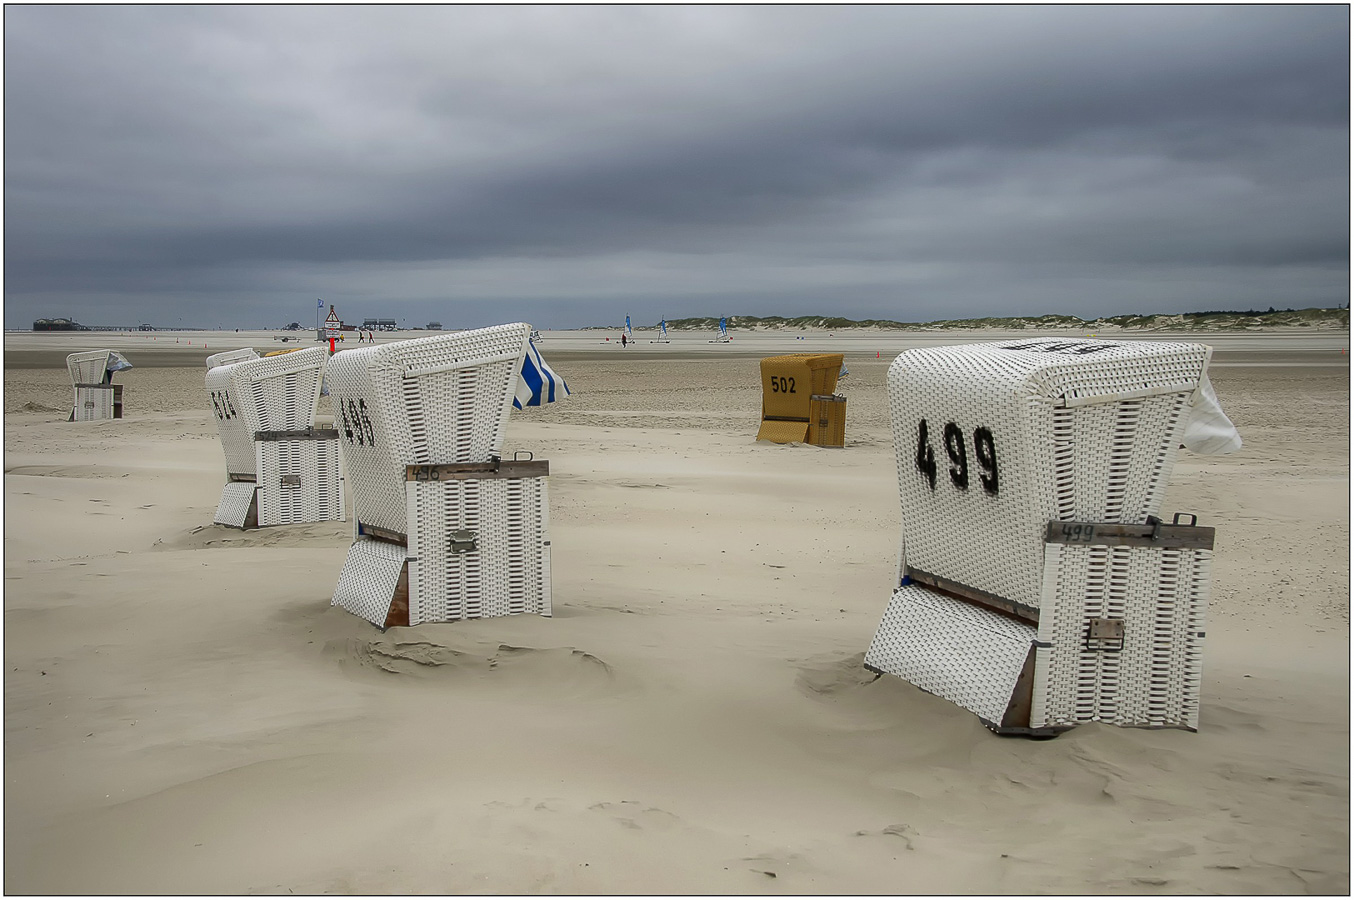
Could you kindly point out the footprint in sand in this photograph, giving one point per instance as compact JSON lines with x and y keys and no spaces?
{"x":902,"y":831}
{"x":635,"y":815}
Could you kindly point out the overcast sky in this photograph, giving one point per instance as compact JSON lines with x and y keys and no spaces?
{"x":564,"y":165}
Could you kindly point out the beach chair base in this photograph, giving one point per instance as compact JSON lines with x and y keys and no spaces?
{"x":95,"y":402}
{"x":300,"y":481}
{"x":300,"y":477}
{"x":478,"y":546}
{"x":1118,"y":637}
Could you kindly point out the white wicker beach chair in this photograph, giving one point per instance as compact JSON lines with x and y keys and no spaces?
{"x":96,"y":396}
{"x":282,"y":470}
{"x":1037,"y":586}
{"x":444,"y":529}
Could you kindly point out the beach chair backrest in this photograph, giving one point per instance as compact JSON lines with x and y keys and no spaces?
{"x":995,"y":440}
{"x":226,"y":357}
{"x":90,"y":367}
{"x":428,"y":401}
{"x":276,"y":393}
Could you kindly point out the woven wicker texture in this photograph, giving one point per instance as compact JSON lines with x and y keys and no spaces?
{"x":93,"y":403}
{"x":226,"y":357}
{"x":277,"y":393}
{"x":367,"y":583}
{"x":1018,"y":433}
{"x":299,"y":481}
{"x":237,"y":440}
{"x":789,"y":381}
{"x":507,"y":573}
{"x":952,"y":649}
{"x":435,"y":400}
{"x":236,"y":498}
{"x":280,"y":393}
{"x":1161,"y":596}
{"x":89,"y":367}
{"x":783,"y":432}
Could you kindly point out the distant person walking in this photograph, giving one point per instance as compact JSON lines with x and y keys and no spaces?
{"x":622,"y":342}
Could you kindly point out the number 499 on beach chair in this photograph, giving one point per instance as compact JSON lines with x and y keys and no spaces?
{"x":282,"y":470}
{"x":1038,"y":587}
{"x":444,"y":528}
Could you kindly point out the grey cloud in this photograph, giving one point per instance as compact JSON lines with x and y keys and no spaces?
{"x":910,"y":157}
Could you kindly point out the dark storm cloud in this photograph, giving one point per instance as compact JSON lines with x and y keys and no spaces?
{"x":472,"y":163}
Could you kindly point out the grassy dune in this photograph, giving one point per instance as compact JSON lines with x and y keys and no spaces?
{"x":1212,"y":320}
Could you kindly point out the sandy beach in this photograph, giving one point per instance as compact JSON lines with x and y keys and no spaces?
{"x":186,"y":713}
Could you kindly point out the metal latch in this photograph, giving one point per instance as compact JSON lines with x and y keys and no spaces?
{"x":291,"y":481}
{"x":1156,"y":524}
{"x":463,"y":541}
{"x":1107,"y":634}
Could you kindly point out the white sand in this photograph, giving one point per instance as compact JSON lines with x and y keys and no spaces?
{"x":185,"y":713}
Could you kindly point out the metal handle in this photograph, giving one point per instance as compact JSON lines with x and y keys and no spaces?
{"x":463,"y":541}
{"x":1108,"y":633}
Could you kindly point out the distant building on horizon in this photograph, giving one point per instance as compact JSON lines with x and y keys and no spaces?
{"x":58,"y":324}
{"x":380,"y":324}
{"x":434,"y":326}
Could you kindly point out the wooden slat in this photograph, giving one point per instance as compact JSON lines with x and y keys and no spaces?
{"x":1115,"y":534}
{"x":399,"y":603}
{"x":1022,"y":698}
{"x":1027,"y":614}
{"x":381,"y":534}
{"x":503,"y":468}
{"x":300,"y":434}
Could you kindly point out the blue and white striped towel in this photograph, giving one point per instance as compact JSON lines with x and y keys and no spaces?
{"x":538,"y":384}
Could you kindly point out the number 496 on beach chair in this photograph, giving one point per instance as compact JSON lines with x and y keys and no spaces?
{"x":444,"y":528}
{"x":282,"y":470}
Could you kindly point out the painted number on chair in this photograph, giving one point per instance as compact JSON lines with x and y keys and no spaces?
{"x":356,"y":423}
{"x":956,"y":448}
{"x":221,"y":403}
{"x":1080,"y":532}
{"x":1073,"y":348}
{"x":782,"y":385}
